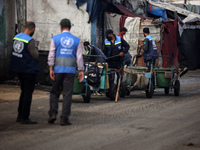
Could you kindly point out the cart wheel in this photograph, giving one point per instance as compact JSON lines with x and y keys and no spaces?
{"x":128,"y":92}
{"x":149,"y":94}
{"x":177,"y":88}
{"x":122,"y":89}
{"x":86,"y":98}
{"x":113,"y":91}
{"x":167,"y":90}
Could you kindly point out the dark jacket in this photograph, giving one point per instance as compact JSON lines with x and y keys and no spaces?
{"x":149,"y":48}
{"x":93,"y":50}
{"x":111,"y":49}
{"x":21,"y":59}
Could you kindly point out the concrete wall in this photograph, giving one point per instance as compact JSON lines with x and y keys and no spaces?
{"x":7,"y":31}
{"x":2,"y":27}
{"x":47,"y":15}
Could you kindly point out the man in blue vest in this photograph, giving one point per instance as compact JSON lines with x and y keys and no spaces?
{"x":115,"y":48}
{"x":24,"y":61}
{"x":149,"y":49}
{"x":65,"y":55}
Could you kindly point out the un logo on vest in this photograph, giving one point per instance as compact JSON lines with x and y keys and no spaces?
{"x":18,"y":46}
{"x":67,"y":42}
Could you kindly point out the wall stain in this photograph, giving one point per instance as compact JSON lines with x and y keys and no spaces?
{"x":48,"y":7}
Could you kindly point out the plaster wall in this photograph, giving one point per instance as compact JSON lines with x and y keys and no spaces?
{"x":47,"y":15}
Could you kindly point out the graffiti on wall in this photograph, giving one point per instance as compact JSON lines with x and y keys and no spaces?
{"x":2,"y":23}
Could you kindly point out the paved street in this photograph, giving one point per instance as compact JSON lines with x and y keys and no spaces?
{"x":165,"y":122}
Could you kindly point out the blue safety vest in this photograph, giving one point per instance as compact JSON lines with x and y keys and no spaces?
{"x":152,"y":49}
{"x":21,"y":60}
{"x":66,"y":47}
{"x":118,"y":46}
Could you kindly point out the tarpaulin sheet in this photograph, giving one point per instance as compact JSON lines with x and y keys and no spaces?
{"x":122,"y":21}
{"x":132,"y":36}
{"x":93,"y":8}
{"x":157,"y":11}
{"x":111,"y":21}
{"x":189,"y":49}
{"x":126,"y":11}
{"x":169,"y":47}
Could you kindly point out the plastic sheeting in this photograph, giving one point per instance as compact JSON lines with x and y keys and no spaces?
{"x":157,"y":11}
{"x":93,"y":8}
{"x":189,"y":44}
{"x":132,"y":36}
{"x":112,"y":21}
{"x":189,"y":49}
{"x":182,"y":25}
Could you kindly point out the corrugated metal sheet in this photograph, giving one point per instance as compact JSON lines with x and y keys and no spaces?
{"x":173,"y":8}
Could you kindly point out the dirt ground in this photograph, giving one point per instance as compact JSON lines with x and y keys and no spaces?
{"x":10,"y":92}
{"x":164,"y":122}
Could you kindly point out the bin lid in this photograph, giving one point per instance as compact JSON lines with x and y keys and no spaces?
{"x":163,"y":69}
{"x":137,"y":67}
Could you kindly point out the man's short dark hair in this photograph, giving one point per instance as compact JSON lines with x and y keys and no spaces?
{"x":30,"y":25}
{"x":65,"y":23}
{"x":146,"y":30}
{"x":86,"y":43}
{"x":123,"y":29}
{"x":109,"y":31}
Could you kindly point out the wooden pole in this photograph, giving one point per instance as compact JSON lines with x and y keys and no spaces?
{"x":118,"y":88}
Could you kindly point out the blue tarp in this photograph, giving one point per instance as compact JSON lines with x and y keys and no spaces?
{"x":93,"y":8}
{"x":157,"y":11}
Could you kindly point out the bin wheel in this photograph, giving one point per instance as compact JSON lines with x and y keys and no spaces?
{"x":128,"y":92}
{"x":167,"y":90}
{"x":177,"y":88}
{"x":87,"y":96}
{"x":113,"y":91}
{"x":149,"y":94}
{"x":122,"y":92}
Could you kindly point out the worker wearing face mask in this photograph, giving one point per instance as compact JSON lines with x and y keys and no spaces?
{"x":122,"y":32}
{"x":115,"y":47}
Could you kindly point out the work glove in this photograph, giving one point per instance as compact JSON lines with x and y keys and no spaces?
{"x":121,"y":54}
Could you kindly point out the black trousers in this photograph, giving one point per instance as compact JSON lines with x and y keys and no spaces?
{"x":27,"y":87}
{"x":67,"y":81}
{"x":148,"y":65}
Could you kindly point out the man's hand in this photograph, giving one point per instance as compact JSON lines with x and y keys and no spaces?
{"x":51,"y":73}
{"x":81,"y":75}
{"x":141,"y":43}
{"x":121,"y":54}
